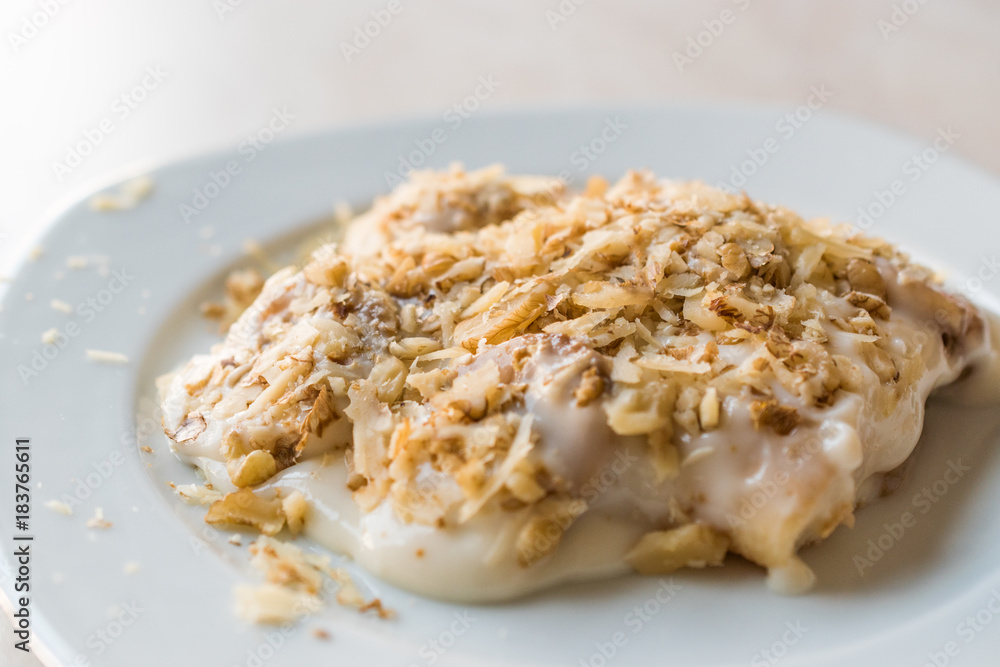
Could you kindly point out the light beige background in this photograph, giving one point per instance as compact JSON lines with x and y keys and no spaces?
{"x":227,"y":70}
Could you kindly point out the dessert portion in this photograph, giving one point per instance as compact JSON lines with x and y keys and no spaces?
{"x":493,"y":385}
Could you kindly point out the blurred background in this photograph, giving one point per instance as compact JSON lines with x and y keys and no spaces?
{"x":95,"y":87}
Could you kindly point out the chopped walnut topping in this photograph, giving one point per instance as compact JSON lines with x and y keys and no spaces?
{"x":244,"y":507}
{"x":782,"y":419}
{"x":437,"y":349}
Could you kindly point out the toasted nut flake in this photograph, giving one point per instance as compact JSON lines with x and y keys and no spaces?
{"x":734,"y":260}
{"x":60,"y":507}
{"x":295,"y":506}
{"x":693,"y":545}
{"x":660,"y":362}
{"x":591,"y":388}
{"x":510,"y":316}
{"x":195,"y":494}
{"x":411,"y":348}
{"x":486,"y":301}
{"x":103,"y":357}
{"x":244,"y":507}
{"x":580,"y":326}
{"x":708,"y":409}
{"x":597,"y":294}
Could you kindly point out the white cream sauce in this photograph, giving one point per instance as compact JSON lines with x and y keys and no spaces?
{"x":741,"y":479}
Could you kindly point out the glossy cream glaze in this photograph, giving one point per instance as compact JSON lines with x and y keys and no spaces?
{"x":734,"y":478}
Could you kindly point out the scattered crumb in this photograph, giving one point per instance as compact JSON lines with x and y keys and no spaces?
{"x":320,"y":633}
{"x":127,"y":195}
{"x":61,"y":306}
{"x":36,"y":252}
{"x":59,"y":506}
{"x":103,"y":357}
{"x":98,"y":520}
{"x":195,"y":494}
{"x":376,"y":606}
{"x":131,"y":567}
{"x":77,"y":262}
{"x":271,"y":604}
{"x":294,"y":581}
{"x":241,"y":288}
{"x":236,"y":539}
{"x":51,"y":336}
{"x":147,"y":449}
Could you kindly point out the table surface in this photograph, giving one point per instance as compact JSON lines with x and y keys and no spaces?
{"x":148,"y":82}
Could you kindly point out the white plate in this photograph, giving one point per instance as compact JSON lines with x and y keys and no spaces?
{"x":81,"y":418}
